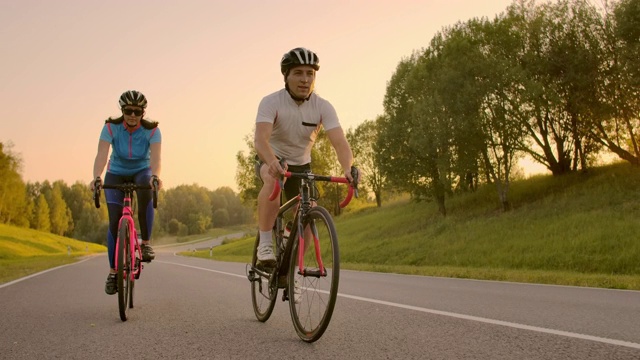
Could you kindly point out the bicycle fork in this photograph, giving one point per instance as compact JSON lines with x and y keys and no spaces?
{"x":302,"y":270}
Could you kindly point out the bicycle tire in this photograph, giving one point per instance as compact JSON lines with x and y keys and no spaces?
{"x":124,"y":259}
{"x":131,"y":287}
{"x":130,"y":269}
{"x":312,"y":308}
{"x":263,"y":293}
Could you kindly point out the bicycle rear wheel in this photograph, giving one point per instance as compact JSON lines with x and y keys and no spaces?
{"x":263,"y":291}
{"x":312,"y":294}
{"x":124,"y":268}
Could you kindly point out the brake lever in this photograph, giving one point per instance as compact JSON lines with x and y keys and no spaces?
{"x":355,"y":175}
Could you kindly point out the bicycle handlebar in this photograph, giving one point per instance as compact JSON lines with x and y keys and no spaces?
{"x":127,"y":187}
{"x":278,"y":185}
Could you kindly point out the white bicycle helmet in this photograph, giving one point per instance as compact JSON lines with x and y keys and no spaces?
{"x":299,"y":56}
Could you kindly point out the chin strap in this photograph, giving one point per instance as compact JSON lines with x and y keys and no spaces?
{"x":286,"y":86}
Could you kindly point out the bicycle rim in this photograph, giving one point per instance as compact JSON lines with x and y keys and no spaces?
{"x":263,"y":296}
{"x":124,"y":260}
{"x":312,"y":297}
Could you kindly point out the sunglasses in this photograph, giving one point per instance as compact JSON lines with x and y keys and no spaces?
{"x":136,"y":112}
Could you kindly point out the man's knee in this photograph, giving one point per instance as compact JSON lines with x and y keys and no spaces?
{"x":267,"y":180}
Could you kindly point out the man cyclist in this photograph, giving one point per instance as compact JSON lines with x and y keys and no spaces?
{"x":136,"y":145}
{"x":287,"y":124}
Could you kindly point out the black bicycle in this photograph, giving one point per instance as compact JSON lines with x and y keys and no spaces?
{"x":307,"y":259}
{"x":128,"y":254}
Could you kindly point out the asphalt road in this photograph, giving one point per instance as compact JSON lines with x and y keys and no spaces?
{"x":189,"y":308}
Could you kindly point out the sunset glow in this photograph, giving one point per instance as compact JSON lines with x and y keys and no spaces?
{"x":203,"y":65}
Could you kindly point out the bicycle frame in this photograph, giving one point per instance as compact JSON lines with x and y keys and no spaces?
{"x":134,"y":247}
{"x":127,"y":213}
{"x":304,"y":202}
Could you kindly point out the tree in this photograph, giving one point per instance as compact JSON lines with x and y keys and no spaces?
{"x":362,"y":141}
{"x":556,"y":45}
{"x":408,"y":156}
{"x":246,"y":179}
{"x":225,"y":198}
{"x":13,"y":200}
{"x":500,"y":118}
{"x":626,"y":16}
{"x":198,"y":223}
{"x":620,"y":84}
{"x":92,"y":224}
{"x":189,"y":205}
{"x":456,"y":74}
{"x":76,"y":197}
{"x":173,"y":227}
{"x":60,"y":216}
{"x":41,"y":219}
{"x":221,"y":218}
{"x":89,"y":224}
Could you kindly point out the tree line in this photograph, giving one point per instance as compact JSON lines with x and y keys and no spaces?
{"x":557,"y":81}
{"x":70,"y":210}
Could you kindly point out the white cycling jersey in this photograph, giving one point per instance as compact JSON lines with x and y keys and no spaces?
{"x":295,"y":127}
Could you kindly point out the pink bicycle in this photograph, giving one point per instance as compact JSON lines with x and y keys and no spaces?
{"x":128,"y":256}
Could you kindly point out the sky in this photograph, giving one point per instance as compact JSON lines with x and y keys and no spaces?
{"x":204,"y":66}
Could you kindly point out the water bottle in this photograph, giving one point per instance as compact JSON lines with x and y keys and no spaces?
{"x":287,"y":232}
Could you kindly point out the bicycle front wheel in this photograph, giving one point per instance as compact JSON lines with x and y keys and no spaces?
{"x":263,"y":293}
{"x":314,"y":275}
{"x":124,"y":268}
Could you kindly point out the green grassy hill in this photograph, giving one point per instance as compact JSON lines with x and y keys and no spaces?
{"x":581,"y":229}
{"x":26,"y":251}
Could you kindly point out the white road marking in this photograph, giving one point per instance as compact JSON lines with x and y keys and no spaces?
{"x":41,"y":272}
{"x":499,"y":322}
{"x":461,"y":316}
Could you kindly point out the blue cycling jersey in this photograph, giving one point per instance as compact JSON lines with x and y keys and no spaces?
{"x":130,"y":149}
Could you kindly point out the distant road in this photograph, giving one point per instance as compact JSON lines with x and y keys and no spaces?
{"x":199,"y":245}
{"x":192,"y":308}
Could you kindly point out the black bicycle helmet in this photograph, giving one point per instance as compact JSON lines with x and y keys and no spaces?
{"x":299,"y":56}
{"x":133,"y":98}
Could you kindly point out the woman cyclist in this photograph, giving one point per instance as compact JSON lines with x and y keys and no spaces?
{"x":135,"y":157}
